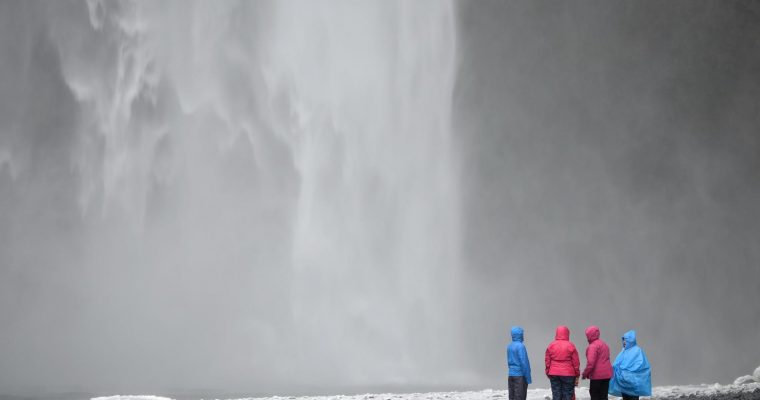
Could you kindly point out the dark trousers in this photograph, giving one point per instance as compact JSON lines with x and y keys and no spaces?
{"x":598,"y":389}
{"x":629,"y":397}
{"x":562,"y":387}
{"x":518,"y":388}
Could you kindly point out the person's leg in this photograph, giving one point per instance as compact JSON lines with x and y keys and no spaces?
{"x":511,"y":387}
{"x":627,"y":397}
{"x":604,"y":388}
{"x":521,"y":388}
{"x":556,"y":384}
{"x":568,"y":387}
{"x":593,"y":389}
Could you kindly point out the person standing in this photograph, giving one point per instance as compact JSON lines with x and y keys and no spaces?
{"x":631,"y":373}
{"x":562,"y":365}
{"x":598,"y":368}
{"x":519,"y":366}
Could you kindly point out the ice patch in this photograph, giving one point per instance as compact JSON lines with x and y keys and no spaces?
{"x":488,"y":394}
{"x":128,"y":397}
{"x":743,"y":380}
{"x":747,"y":379}
{"x":581,"y":393}
{"x":665,"y":392}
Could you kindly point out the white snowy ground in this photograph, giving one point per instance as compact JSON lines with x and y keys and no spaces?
{"x":744,"y":384}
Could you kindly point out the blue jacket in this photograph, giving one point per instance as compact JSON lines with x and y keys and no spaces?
{"x":631,"y":371}
{"x":517,"y":356}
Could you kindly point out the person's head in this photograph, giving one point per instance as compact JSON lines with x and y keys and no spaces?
{"x":563,"y":333}
{"x":629,"y":339}
{"x":517,"y":334}
{"x":592,"y":333}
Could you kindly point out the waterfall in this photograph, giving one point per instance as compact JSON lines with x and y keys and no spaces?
{"x":368,"y":88}
{"x":273,"y":185}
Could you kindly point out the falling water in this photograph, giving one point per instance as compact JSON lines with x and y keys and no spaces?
{"x":266,"y":191}
{"x":368,"y":113}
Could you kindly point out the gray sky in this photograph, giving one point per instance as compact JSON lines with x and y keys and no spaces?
{"x":295,"y":197}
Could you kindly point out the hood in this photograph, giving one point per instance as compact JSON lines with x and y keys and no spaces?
{"x":630,"y":339}
{"x":563,"y":333}
{"x":592,"y":333}
{"x":517,"y":334}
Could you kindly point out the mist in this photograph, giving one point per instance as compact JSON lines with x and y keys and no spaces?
{"x":302,"y":197}
{"x":611,"y":178}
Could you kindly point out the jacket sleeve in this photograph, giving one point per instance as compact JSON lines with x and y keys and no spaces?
{"x":525,"y":365}
{"x":576,"y":363}
{"x":591,"y":357}
{"x":547,"y":360}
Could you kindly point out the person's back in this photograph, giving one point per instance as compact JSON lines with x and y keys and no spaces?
{"x":562,"y":364}
{"x":598,"y":368}
{"x":631,"y":376}
{"x":519,"y":366}
{"x":561,"y":355}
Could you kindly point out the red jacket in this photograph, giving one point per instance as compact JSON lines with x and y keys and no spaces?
{"x":597,"y":356}
{"x":561,"y":357}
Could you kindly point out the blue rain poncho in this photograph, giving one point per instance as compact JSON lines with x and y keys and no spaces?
{"x":631,"y":371}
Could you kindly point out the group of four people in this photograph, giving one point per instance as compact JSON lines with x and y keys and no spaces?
{"x":629,"y":376}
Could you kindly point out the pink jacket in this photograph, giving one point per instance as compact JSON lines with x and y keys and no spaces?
{"x":597,"y":356}
{"x":561,"y":357}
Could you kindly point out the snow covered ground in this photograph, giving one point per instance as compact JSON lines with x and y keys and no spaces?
{"x":662,"y":392}
{"x":744,"y":388}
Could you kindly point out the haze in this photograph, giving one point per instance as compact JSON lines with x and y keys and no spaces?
{"x":352,"y":196}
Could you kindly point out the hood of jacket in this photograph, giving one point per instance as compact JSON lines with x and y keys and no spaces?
{"x":592,"y":333}
{"x":629,"y":338}
{"x":517,"y":334}
{"x":563,"y":333}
